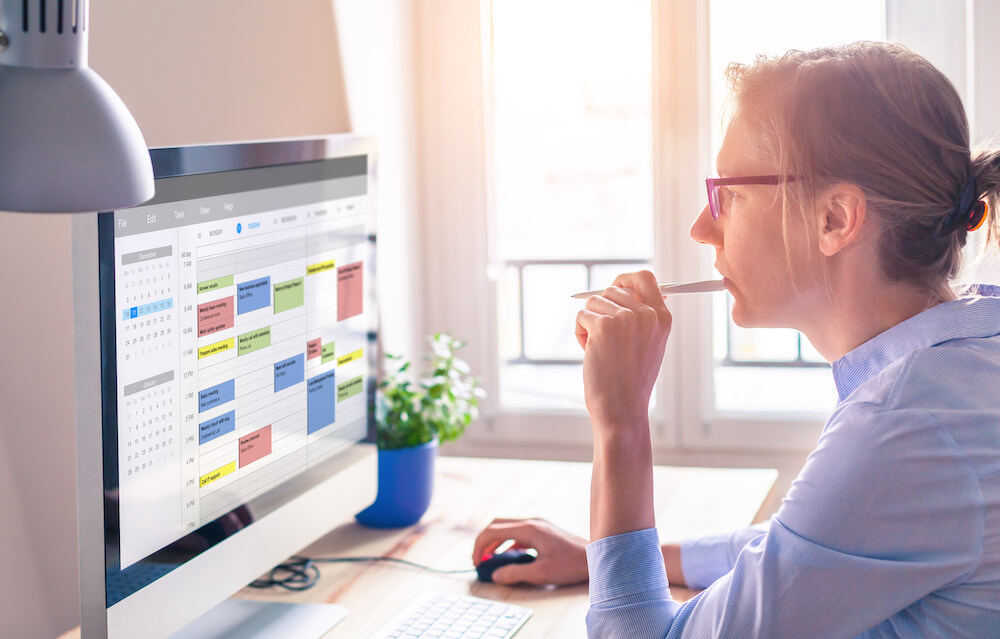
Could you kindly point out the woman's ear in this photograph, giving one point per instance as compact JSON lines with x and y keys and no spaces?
{"x":841,"y":209}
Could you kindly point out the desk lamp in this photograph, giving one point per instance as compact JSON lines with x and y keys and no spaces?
{"x":67,"y":141}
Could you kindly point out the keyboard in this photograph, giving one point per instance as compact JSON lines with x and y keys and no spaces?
{"x":441,"y":615}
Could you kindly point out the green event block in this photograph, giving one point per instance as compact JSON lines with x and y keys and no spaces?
{"x":328,"y":352}
{"x":289,"y":295}
{"x":219,"y":282}
{"x":350,"y":388}
{"x":254,"y":340}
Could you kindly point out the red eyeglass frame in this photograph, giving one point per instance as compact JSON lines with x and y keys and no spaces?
{"x":713,"y":184}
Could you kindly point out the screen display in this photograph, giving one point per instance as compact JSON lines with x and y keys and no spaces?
{"x":237,"y":350}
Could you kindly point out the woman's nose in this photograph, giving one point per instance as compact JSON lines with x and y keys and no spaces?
{"x":705,"y":230}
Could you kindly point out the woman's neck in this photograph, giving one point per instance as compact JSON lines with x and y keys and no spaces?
{"x":857,"y":312}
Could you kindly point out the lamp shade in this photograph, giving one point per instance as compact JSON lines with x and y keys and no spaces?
{"x":67,"y":141}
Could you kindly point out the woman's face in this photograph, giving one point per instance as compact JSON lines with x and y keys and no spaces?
{"x":749,"y":243}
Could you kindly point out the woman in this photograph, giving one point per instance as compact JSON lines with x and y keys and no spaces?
{"x":848,"y":191}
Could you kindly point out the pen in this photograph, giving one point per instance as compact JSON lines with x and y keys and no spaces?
{"x":707,"y":286}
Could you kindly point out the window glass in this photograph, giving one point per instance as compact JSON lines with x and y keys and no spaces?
{"x":571,"y":131}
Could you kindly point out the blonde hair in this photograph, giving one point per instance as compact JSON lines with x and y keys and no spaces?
{"x":883,"y":118}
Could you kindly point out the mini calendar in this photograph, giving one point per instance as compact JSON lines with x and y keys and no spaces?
{"x":147,"y":342}
{"x":147,"y":286}
{"x":148,"y":424}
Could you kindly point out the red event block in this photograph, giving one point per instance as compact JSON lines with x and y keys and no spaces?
{"x":313,"y":348}
{"x":215,"y":316}
{"x":255,"y":445}
{"x":350,"y":291}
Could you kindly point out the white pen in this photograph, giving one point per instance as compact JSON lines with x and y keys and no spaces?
{"x":708,"y":286}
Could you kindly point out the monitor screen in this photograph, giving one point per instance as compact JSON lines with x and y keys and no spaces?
{"x":236,"y":325}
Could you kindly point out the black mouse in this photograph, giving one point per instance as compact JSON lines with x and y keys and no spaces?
{"x":492,"y":562}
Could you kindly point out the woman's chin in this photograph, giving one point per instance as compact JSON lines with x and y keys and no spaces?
{"x":741,"y":320}
{"x":747,"y":318}
{"x":740,"y":314}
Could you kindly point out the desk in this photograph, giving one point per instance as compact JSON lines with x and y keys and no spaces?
{"x":468,"y":494}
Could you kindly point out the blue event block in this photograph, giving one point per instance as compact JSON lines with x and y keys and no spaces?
{"x":321,"y":401}
{"x":253,"y":295}
{"x":216,"y":427}
{"x":289,"y":372}
{"x":218,"y":394}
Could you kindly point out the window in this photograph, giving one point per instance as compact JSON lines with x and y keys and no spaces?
{"x":568,"y":142}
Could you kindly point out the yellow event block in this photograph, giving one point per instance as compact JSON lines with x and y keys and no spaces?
{"x":216,"y":474}
{"x":350,"y":357}
{"x":217,"y":347}
{"x":319,"y":267}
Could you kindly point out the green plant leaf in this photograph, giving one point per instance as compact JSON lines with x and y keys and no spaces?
{"x":439,"y":405}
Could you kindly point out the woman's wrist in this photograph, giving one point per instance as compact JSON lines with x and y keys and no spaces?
{"x":620,"y":433}
{"x":622,"y":485}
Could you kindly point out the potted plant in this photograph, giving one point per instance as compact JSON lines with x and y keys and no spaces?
{"x":412,"y":418}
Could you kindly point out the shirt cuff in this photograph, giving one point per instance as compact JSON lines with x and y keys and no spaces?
{"x":626,"y":564}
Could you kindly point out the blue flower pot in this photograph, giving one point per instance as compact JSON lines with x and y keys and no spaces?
{"x":405,"y":484}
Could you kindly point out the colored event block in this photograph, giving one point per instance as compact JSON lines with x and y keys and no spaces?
{"x":216,"y":427}
{"x":329,"y":352}
{"x":350,"y":291}
{"x":255,"y":445}
{"x":289,"y":372}
{"x":350,"y":357}
{"x":218,"y":347}
{"x":253,"y":295}
{"x":289,"y":295}
{"x":321,"y":402}
{"x":320,"y":267}
{"x":216,"y":395}
{"x":215,"y":316}
{"x":218,"y":473}
{"x":350,"y":388}
{"x":255,"y":340}
{"x":313,"y":348}
{"x":217,"y":283}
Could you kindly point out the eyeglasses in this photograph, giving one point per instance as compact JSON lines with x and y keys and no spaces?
{"x":716,"y":204}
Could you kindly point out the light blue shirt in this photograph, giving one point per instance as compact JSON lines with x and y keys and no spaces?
{"x":892,"y":529}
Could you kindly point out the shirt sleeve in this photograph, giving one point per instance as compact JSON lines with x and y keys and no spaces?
{"x":629,"y":594}
{"x":885,"y":512}
{"x":706,"y":559}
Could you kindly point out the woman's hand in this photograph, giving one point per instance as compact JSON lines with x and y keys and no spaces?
{"x":623,"y":333}
{"x":562,"y":557}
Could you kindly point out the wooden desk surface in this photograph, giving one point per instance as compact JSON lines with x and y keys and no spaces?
{"x":468,"y":494}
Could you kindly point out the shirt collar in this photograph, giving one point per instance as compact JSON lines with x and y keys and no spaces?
{"x":976,"y":314}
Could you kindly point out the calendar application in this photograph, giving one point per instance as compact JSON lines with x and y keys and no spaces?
{"x":240,"y":343}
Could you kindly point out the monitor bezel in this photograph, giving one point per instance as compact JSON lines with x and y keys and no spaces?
{"x":176,"y":598}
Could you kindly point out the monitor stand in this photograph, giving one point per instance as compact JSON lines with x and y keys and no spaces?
{"x":251,"y":619}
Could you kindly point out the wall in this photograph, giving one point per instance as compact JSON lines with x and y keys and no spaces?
{"x":377,"y":44}
{"x":37,"y":497}
{"x":195,"y":72}
{"x":191,"y":72}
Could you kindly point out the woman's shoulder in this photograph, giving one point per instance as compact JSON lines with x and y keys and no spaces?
{"x":941,"y":399}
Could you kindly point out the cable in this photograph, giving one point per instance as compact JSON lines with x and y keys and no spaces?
{"x":301,"y":573}
{"x":298,"y":573}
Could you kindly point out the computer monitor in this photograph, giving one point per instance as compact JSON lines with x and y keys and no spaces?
{"x":225,"y":363}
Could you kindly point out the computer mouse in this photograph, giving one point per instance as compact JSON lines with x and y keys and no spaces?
{"x":492,"y":562}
